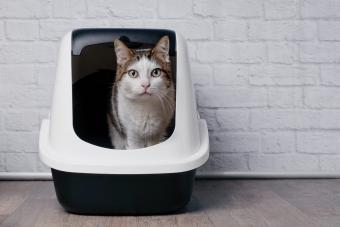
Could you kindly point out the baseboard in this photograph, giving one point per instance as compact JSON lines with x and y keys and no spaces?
{"x":25,"y":176}
{"x":268,"y":175}
{"x":200,"y":175}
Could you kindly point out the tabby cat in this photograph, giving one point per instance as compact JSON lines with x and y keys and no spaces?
{"x":143,"y":96}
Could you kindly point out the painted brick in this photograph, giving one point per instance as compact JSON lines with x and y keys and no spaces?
{"x":295,"y":119}
{"x":285,"y":97}
{"x":25,"y":9}
{"x":21,"y":121}
{"x":21,"y":162}
{"x":41,"y":167}
{"x":210,"y":116}
{"x":319,"y":52}
{"x":282,"y":30}
{"x":282,"y":81}
{"x":69,"y":8}
{"x":2,"y":30}
{"x":329,"y":30}
{"x":1,"y":122}
{"x":235,"y":8}
{"x":320,"y":9}
{"x":22,"y":142}
{"x":190,"y":29}
{"x":45,"y":74}
{"x":231,"y":52}
{"x":17,"y":74}
{"x":2,"y":163}
{"x":283,"y":163}
{"x":278,"y":9}
{"x":55,"y":29}
{"x":201,"y":74}
{"x":3,"y":142}
{"x":170,"y":9}
{"x":285,"y":53}
{"x":25,"y":52}
{"x":192,"y":51}
{"x":330,"y":75}
{"x":232,"y":97}
{"x":230,"y":74}
{"x":326,"y":119}
{"x":128,"y":9}
{"x":133,"y":23}
{"x":22,"y":29}
{"x":225,"y":162}
{"x":25,"y":96}
{"x":322,"y":97}
{"x":318,"y":142}
{"x":265,"y":74}
{"x":278,"y":142}
{"x":232,"y":118}
{"x":330,"y":163}
{"x":230,"y":30}
{"x":235,"y":142}
{"x":43,"y":114}
{"x":283,"y":75}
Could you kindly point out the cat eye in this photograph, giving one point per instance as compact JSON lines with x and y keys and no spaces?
{"x":133,"y":73}
{"x":156,"y":72}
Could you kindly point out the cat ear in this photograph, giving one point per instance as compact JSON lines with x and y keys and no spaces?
{"x":161,"y":49}
{"x":123,"y":53}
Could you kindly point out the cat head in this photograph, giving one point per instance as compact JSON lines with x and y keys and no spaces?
{"x":144,"y":74}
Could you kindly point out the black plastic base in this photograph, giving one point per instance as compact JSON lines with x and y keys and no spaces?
{"x":123,"y":194}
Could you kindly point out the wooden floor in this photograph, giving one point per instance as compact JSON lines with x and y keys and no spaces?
{"x":259,"y":203}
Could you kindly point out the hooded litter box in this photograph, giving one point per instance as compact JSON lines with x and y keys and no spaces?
{"x":90,"y":177}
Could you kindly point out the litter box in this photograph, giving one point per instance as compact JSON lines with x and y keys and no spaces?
{"x":90,"y":177}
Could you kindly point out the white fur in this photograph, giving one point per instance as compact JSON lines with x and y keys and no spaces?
{"x":144,"y":117}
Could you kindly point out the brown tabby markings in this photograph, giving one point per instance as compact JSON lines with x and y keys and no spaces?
{"x":135,"y":55}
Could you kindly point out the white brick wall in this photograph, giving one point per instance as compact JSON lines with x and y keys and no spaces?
{"x":266,"y":73}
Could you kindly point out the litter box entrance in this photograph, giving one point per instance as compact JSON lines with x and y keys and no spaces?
{"x":93,"y":75}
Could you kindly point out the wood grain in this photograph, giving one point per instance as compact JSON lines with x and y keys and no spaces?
{"x":13,"y":194}
{"x":259,"y":203}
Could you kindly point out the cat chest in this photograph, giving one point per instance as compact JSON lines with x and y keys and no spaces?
{"x":143,"y":120}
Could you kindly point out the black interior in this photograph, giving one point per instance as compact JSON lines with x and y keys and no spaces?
{"x":93,"y":74}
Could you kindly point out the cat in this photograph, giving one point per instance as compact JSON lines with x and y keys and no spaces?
{"x":142,"y":104}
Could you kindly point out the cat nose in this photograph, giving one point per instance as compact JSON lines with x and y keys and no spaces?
{"x":145,"y":85}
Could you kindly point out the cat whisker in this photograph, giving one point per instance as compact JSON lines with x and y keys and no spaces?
{"x":164,"y":100}
{"x":169,"y":106}
{"x":168,"y":100}
{"x":138,"y":119}
{"x":161,"y":101}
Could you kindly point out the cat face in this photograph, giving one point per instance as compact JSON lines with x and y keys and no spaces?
{"x":144,"y":74}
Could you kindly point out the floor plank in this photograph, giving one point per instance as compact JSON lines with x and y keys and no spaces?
{"x":27,"y":214}
{"x":2,"y":218}
{"x":194,"y":214}
{"x":214,"y":203}
{"x":122,"y":221}
{"x":273,"y":210}
{"x":320,"y":200}
{"x":264,"y":203}
{"x":13,"y":194}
